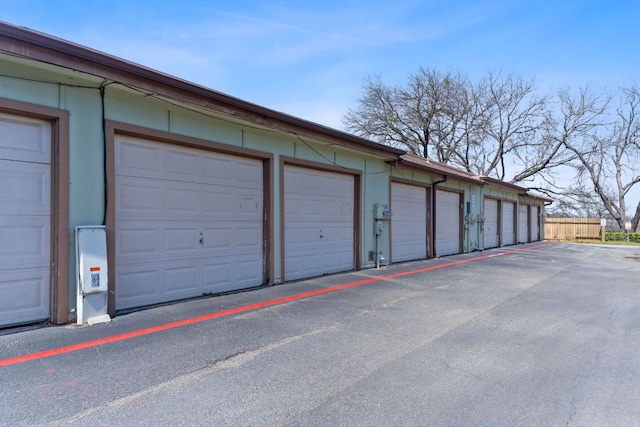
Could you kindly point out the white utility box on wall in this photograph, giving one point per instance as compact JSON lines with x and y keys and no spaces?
{"x":92,"y":274}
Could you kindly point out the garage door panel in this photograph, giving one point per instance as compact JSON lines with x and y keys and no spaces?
{"x":248,"y":174}
{"x":217,"y":276}
{"x":136,"y":287}
{"x":25,"y":219}
{"x":183,"y":163}
{"x":200,"y":229}
{"x":225,"y":274}
{"x":230,"y":171}
{"x":136,"y":246}
{"x":239,"y":205}
{"x":447,"y":223}
{"x":224,"y":171}
{"x":139,"y":158}
{"x":218,"y":203}
{"x":25,"y":295}
{"x":137,"y":240}
{"x":523,"y":224}
{"x":340,"y":233}
{"x":25,"y":242}
{"x":490,"y":226}
{"x":318,"y":183}
{"x":535,"y":223}
{"x":409,"y":222}
{"x":294,"y":264}
{"x":238,"y":269}
{"x":220,"y":168}
{"x":344,"y":260}
{"x":215,"y":240}
{"x":157,"y":282}
{"x":330,"y":259}
{"x":25,"y":140}
{"x":180,"y":279}
{"x":146,"y":159}
{"x":233,"y":241}
{"x":181,"y":240}
{"x":247,"y":237}
{"x":143,"y":196}
{"x":318,"y":222}
{"x":323,"y":238}
{"x":25,"y":188}
{"x":182,"y":201}
{"x":294,"y":181}
{"x":448,"y":246}
{"x":248,"y":204}
{"x":319,"y":206}
{"x":246,"y":270}
{"x":313,"y":264}
{"x":508,"y":217}
{"x":138,"y":199}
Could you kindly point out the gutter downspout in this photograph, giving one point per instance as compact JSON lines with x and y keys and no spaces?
{"x":433,"y":214}
{"x":480,"y":230}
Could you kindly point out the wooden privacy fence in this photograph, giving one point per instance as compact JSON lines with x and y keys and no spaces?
{"x":573,"y":229}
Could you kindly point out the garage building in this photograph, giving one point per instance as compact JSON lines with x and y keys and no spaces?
{"x":201,"y":193}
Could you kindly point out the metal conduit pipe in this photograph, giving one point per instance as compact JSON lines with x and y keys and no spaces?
{"x":433,"y":212}
{"x":480,"y":230}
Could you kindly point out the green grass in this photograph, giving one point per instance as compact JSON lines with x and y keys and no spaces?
{"x":621,"y":243}
{"x":609,"y":242}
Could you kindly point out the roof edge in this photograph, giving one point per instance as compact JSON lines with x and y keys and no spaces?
{"x":428,"y":165}
{"x":92,"y":56}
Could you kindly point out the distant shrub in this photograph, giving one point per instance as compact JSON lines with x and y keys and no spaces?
{"x":622,"y":237}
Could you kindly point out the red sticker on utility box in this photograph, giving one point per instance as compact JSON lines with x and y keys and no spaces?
{"x":94,"y":269}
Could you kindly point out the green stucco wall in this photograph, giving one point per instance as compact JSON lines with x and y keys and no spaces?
{"x":52,"y":86}
{"x":80,"y":95}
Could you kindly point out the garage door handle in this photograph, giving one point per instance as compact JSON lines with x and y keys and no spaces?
{"x":201,"y":239}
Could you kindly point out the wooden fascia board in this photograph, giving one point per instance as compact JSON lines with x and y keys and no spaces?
{"x":43,"y":48}
{"x":451,"y":173}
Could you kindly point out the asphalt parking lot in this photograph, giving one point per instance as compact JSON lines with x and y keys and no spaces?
{"x":531,"y":335}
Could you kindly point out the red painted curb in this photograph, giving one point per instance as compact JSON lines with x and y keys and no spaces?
{"x":128,"y":335}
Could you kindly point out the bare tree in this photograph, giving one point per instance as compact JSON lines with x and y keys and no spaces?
{"x":486,"y":128}
{"x":424,"y":116}
{"x":609,"y":153}
{"x":515,"y":117}
{"x":498,"y":126}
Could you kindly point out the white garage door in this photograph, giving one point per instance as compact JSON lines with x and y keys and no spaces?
{"x":508,"y":221}
{"x":447,"y":223}
{"x":535,"y":223}
{"x":523,"y":224}
{"x":188,"y":222}
{"x":25,"y":220}
{"x":318,"y":222}
{"x":490,"y":227}
{"x":409,"y":222}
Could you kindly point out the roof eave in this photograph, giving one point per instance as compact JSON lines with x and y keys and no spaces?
{"x":507,"y":185}
{"x":37,"y":46}
{"x":451,"y":173}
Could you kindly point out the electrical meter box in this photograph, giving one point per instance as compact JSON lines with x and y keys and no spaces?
{"x":92,"y":259}
{"x":92,"y":274}
{"x":381,"y":211}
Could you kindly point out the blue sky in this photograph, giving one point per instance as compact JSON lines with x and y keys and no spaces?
{"x":309,"y":59}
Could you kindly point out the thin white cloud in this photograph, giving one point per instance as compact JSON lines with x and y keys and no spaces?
{"x":293,"y":34}
{"x":324,"y":111}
